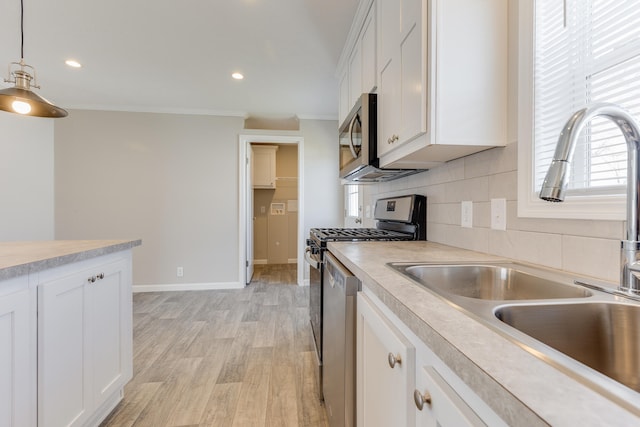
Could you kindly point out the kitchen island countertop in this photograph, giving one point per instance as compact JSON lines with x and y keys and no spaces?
{"x":521,"y":388}
{"x":20,"y":258}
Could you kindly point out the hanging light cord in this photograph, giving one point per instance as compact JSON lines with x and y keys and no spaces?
{"x":21,"y":29}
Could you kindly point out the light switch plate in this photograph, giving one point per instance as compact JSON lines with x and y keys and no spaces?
{"x":466,"y":210}
{"x":499,"y":214}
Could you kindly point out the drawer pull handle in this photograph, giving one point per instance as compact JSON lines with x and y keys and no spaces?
{"x":393,"y":360}
{"x":420,"y":399}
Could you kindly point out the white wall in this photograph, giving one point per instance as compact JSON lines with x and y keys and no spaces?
{"x":171,"y":180}
{"x":322,"y":189}
{"x":580,"y":246}
{"x":26,"y":178}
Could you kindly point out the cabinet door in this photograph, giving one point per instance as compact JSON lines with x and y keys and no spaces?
{"x":15,"y":377}
{"x":369,"y":57}
{"x":110,"y":308}
{"x":64,"y":386}
{"x":355,"y":75}
{"x":343,"y":101}
{"x":385,"y":370}
{"x":441,"y":405}
{"x":264,"y":166}
{"x":389,"y":107}
{"x":389,"y":31}
{"x":413,"y":77}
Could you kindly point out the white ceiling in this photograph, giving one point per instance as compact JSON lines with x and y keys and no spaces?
{"x":178,"y":55}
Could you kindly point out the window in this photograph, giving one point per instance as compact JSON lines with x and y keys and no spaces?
{"x":577,"y":52}
{"x":352,"y":200}
{"x":352,"y":206}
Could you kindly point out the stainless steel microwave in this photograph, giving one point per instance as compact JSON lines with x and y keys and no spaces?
{"x":359,"y":145}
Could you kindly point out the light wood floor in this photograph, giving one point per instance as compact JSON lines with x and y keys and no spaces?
{"x":224,"y":358}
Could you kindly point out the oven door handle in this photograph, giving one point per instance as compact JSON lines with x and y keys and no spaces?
{"x":312,"y":262}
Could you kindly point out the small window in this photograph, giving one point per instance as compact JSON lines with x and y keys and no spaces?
{"x":352,"y":200}
{"x":352,"y":206}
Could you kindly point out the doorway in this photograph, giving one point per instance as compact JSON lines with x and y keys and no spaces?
{"x":275,"y":203}
{"x":272,"y":212}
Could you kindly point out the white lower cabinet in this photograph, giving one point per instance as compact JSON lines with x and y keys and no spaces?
{"x":438,"y":404}
{"x":16,"y":332}
{"x":420,"y":390}
{"x":385,"y":371}
{"x":84,"y":340}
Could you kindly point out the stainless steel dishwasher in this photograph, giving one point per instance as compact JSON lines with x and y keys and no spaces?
{"x":339,"y":343}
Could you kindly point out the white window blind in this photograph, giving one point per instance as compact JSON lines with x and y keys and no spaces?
{"x":586,"y":51}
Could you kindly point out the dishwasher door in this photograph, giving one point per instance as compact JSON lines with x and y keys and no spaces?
{"x":339,"y":342}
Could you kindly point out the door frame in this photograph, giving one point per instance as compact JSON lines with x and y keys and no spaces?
{"x":245,"y":190}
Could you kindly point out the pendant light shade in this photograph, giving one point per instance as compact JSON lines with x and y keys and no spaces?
{"x":20,"y":98}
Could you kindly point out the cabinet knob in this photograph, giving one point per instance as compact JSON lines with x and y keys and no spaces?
{"x":421,"y":398}
{"x":101,"y":276}
{"x":92,"y":279}
{"x":394,"y":359}
{"x":393,"y":139}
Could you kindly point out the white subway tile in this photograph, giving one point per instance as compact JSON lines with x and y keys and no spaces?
{"x":538,"y":248}
{"x":592,"y":257}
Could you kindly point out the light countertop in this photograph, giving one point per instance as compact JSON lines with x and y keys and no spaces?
{"x":20,"y":258}
{"x":521,"y":388}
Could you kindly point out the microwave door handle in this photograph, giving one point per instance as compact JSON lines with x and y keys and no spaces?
{"x":351,"y":147}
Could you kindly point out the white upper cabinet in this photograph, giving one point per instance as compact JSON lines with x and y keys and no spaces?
{"x":403,"y":77}
{"x":358,"y":64}
{"x":355,"y":75}
{"x":441,"y":78}
{"x":343,"y":106}
{"x":369,"y":55}
{"x":264,"y":166}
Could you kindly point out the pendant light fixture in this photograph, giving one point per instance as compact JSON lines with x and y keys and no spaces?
{"x":20,"y":98}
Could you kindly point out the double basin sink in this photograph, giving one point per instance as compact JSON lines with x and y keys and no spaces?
{"x":588,"y":332}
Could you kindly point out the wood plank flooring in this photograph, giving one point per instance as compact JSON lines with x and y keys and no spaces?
{"x":224,"y":358}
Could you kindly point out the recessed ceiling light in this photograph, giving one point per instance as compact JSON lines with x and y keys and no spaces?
{"x":73,"y":63}
{"x":237,"y":76}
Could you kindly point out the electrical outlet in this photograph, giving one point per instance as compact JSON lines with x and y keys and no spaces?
{"x":499,"y":214}
{"x":466,"y":210}
{"x":180,"y":272}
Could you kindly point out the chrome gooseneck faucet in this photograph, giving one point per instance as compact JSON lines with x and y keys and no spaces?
{"x":557,"y":177}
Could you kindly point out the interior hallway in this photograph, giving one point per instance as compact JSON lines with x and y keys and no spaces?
{"x":224,"y":358}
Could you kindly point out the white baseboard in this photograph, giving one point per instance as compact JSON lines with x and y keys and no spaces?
{"x":187,"y":287}
{"x":264,"y":261}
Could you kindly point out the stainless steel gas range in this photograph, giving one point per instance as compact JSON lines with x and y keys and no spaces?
{"x":397,"y":218}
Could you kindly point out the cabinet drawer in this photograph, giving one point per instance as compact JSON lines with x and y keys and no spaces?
{"x":438,"y":404}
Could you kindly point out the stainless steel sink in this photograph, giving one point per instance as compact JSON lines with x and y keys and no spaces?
{"x":489,"y":281}
{"x":604,"y":336}
{"x":590,"y":331}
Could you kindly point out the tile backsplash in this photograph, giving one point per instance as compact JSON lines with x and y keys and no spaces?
{"x":585,"y":247}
